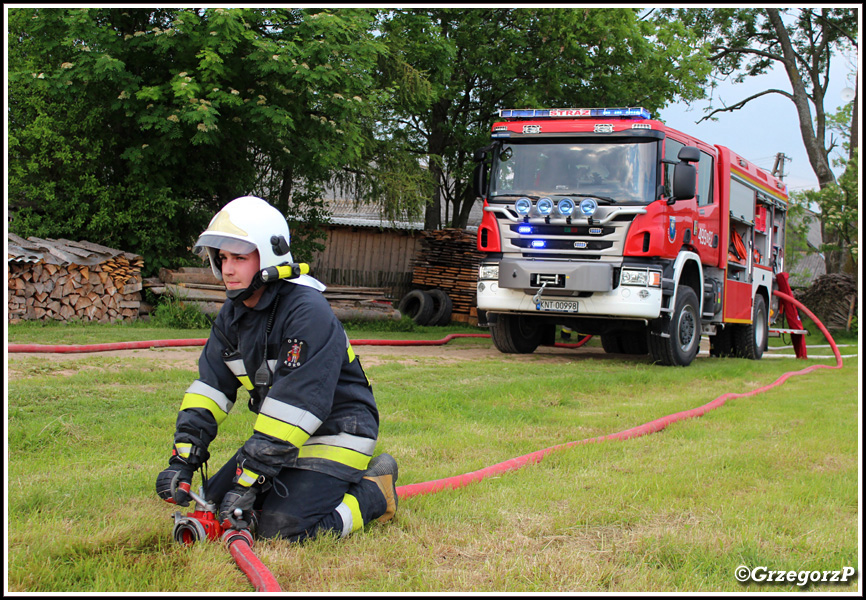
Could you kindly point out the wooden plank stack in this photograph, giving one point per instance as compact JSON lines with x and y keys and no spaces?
{"x":448,"y":259}
{"x":197,"y":285}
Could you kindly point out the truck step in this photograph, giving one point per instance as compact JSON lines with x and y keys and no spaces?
{"x":776,"y":332}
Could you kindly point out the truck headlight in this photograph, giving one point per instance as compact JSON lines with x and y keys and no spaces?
{"x":641,"y":277}
{"x":488,"y":272}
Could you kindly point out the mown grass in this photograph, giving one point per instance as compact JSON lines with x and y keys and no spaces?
{"x":767,"y":480}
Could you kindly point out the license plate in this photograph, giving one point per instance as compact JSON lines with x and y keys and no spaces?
{"x":557,"y":305}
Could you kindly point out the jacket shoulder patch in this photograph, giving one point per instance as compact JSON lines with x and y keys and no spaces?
{"x":293,"y":353}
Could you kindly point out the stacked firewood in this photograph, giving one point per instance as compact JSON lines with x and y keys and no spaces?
{"x":448,"y":259}
{"x":106,"y":292}
{"x":833,"y":299}
{"x":198,"y":286}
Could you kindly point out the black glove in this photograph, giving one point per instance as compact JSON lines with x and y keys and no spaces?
{"x":173,"y":484}
{"x":242,"y":498}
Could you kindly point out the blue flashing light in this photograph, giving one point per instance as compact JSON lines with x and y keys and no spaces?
{"x":538,"y":243}
{"x":524,"y":229}
{"x":574,"y":113}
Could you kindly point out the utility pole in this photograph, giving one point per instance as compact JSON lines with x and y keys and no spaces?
{"x":779,"y":165}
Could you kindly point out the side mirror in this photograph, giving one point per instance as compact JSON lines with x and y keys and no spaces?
{"x":481,"y":154}
{"x":479,"y":175}
{"x":689,"y":154}
{"x":684,"y":182}
{"x":685,"y":174}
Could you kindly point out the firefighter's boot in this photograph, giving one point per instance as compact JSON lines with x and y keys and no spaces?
{"x":383,"y":472}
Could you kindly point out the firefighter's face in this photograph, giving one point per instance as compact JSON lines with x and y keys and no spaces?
{"x":238,"y":271}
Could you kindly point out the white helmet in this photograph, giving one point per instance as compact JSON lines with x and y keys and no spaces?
{"x":246,"y":224}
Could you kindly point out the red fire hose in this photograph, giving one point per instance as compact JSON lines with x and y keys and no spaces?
{"x":144,"y":345}
{"x":240,"y":545}
{"x":429,"y":487}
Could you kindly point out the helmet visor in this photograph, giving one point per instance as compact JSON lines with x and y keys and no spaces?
{"x":223,"y":242}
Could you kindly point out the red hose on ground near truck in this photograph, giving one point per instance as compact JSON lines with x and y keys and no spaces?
{"x":145,"y":345}
{"x":657,"y":425}
{"x":241,"y":548}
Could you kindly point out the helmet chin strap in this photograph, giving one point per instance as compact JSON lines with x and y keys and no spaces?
{"x":241,"y":295}
{"x":268,"y":275}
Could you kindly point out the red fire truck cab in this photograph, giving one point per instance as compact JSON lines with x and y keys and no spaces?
{"x":613,"y":224}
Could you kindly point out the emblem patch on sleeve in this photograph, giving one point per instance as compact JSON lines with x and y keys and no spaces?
{"x":293,"y":353}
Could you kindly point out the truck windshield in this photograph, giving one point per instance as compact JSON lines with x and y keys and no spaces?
{"x":622,"y":171}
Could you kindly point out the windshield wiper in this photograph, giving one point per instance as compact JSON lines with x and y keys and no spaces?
{"x":605,"y":199}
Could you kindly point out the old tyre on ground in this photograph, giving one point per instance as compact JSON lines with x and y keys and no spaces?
{"x":750,"y":341}
{"x":516,"y":334}
{"x":722,"y":344}
{"x":680,"y":345}
{"x":418,"y":306}
{"x":442,"y":308}
{"x":631,"y":342}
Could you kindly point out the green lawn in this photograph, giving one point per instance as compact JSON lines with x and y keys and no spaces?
{"x":769,"y":480}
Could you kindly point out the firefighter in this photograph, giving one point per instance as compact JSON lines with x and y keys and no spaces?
{"x":308,"y":466}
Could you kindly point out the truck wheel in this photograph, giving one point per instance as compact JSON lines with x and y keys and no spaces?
{"x":516,"y":334}
{"x":442,"y":307}
{"x":750,"y":341}
{"x":722,"y":344}
{"x":612,"y":343}
{"x":683,"y":330}
{"x":633,"y":342}
{"x":418,"y":306}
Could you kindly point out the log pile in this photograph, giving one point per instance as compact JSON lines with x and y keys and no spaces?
{"x":448,"y":259}
{"x":832,"y":298}
{"x":197,"y":285}
{"x":43,"y":283}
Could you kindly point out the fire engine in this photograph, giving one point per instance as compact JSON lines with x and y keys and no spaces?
{"x":610,"y":223}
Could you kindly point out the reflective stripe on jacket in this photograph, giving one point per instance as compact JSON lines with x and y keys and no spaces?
{"x":318,"y":413}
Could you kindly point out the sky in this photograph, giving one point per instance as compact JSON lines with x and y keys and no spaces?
{"x":765,"y":126}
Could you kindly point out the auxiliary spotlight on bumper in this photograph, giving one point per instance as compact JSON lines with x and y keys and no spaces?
{"x":588,"y":207}
{"x":522,"y":206}
{"x":565,"y":207}
{"x":544,"y":206}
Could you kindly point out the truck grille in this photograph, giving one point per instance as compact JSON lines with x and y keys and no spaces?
{"x":567,"y":241}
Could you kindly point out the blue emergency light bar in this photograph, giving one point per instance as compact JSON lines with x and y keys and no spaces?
{"x":573,"y":113}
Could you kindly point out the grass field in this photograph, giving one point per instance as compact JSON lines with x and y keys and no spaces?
{"x":766,"y":481}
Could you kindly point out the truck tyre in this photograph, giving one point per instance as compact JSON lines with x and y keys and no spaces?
{"x":722,"y":344}
{"x":612,"y":343}
{"x":442,"y":307}
{"x":635,"y":342}
{"x":516,"y":334}
{"x":750,"y":341}
{"x":681,"y":345}
{"x":632,"y":342}
{"x":418,"y":306}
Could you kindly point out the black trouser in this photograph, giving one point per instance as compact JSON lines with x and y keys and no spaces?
{"x":301,"y":504}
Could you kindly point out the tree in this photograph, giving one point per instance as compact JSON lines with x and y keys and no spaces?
{"x":131,"y":126}
{"x":747,"y":42}
{"x":479,"y":60}
{"x":838,"y":202}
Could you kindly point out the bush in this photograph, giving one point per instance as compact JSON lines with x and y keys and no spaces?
{"x":177,"y":314}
